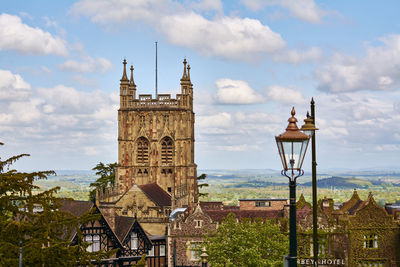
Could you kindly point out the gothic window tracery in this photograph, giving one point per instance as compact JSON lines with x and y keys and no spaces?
{"x":166,"y":150}
{"x":142,"y":155}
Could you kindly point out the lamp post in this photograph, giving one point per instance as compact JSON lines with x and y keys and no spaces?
{"x":292,"y":147}
{"x":204,"y":256}
{"x":309,"y":129}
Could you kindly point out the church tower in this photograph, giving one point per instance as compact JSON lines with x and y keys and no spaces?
{"x":156,"y":141}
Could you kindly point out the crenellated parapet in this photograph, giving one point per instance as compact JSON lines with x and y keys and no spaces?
{"x":128,"y":99}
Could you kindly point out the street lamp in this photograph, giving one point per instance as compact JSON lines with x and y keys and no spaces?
{"x":292,"y":147}
{"x":204,"y":256}
{"x":309,"y":129}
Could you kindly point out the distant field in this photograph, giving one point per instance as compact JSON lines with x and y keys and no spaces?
{"x":230,"y":186}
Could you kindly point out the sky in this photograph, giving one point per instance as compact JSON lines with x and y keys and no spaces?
{"x":251,"y":62}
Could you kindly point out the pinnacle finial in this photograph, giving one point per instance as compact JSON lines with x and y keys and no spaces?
{"x":308,"y":115}
{"x":188,"y":71}
{"x":312,"y":101}
{"x":124,"y":77}
{"x":132,"y":82}
{"x":184,"y":69}
{"x":293,"y":112}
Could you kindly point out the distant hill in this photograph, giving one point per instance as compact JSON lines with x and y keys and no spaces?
{"x":340,"y":182}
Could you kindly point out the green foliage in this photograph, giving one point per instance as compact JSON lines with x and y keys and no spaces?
{"x":45,"y":233}
{"x":248,"y":243}
{"x":107,"y":177}
{"x":202,"y":177}
{"x":141,"y":262}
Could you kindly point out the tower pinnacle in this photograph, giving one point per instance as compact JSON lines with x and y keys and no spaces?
{"x":124,"y":77}
{"x":184,"y":76}
{"x":132,"y":82}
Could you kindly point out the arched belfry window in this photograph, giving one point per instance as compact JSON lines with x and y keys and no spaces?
{"x":166,"y":150}
{"x":142,"y":152}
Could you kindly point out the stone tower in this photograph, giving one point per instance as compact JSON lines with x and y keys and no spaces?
{"x":156,"y":140}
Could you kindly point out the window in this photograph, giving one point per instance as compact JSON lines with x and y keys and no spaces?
{"x":142,"y":156}
{"x":151,"y":252}
{"x":263,"y":204}
{"x":195,"y":251}
{"x":371,"y":264}
{"x":371,"y":241}
{"x":134,"y":241}
{"x":166,"y":150}
{"x":198,"y":223}
{"x":162,"y":250}
{"x":94,"y":241}
{"x":322,"y":246}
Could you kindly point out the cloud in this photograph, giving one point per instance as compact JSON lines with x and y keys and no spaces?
{"x":306,"y":10}
{"x":227,"y":37}
{"x":207,"y":5}
{"x":285,"y":95}
{"x":89,"y":65}
{"x":12,"y":86}
{"x":120,"y":11}
{"x":293,"y":56}
{"x":224,"y":36}
{"x":378,"y":70}
{"x":58,"y":119}
{"x":17,"y":36}
{"x":236,"y":92}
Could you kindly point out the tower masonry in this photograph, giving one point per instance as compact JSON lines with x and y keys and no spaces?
{"x":156,"y":141}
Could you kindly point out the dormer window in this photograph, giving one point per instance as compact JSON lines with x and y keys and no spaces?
{"x":94,"y":241}
{"x":198,"y":223}
{"x":134,"y":241}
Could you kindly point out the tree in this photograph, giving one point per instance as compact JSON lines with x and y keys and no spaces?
{"x":107,"y":177}
{"x":248,"y":243}
{"x":33,"y":217}
{"x":141,"y":262}
{"x":199,"y":186}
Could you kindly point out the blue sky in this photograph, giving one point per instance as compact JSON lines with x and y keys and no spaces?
{"x":252,"y":60}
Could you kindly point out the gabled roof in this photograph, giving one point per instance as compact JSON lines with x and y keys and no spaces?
{"x":123,"y":225}
{"x":76,"y":207}
{"x":354,"y":204}
{"x":156,"y":194}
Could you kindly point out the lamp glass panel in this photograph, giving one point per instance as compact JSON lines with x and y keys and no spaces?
{"x":281,"y":155}
{"x":309,"y":132}
{"x":288,"y":152}
{"x":302,"y":152}
{"x":294,"y":151}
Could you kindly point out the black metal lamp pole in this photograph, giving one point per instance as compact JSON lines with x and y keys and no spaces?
{"x":314,"y":187}
{"x":292,"y":147}
{"x":309,"y":129}
{"x":292,"y":218}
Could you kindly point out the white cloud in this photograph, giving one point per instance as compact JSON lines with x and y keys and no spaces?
{"x":12,"y":86}
{"x":227,"y":37}
{"x":89,"y":65}
{"x":207,"y":5}
{"x":224,"y":36}
{"x":306,"y":10}
{"x":293,"y":56}
{"x":120,"y":11}
{"x":222,"y":119}
{"x":239,"y":148}
{"x":378,"y":70}
{"x":285,"y":95}
{"x":17,"y":36}
{"x":237,"y":92}
{"x":62,"y":118}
